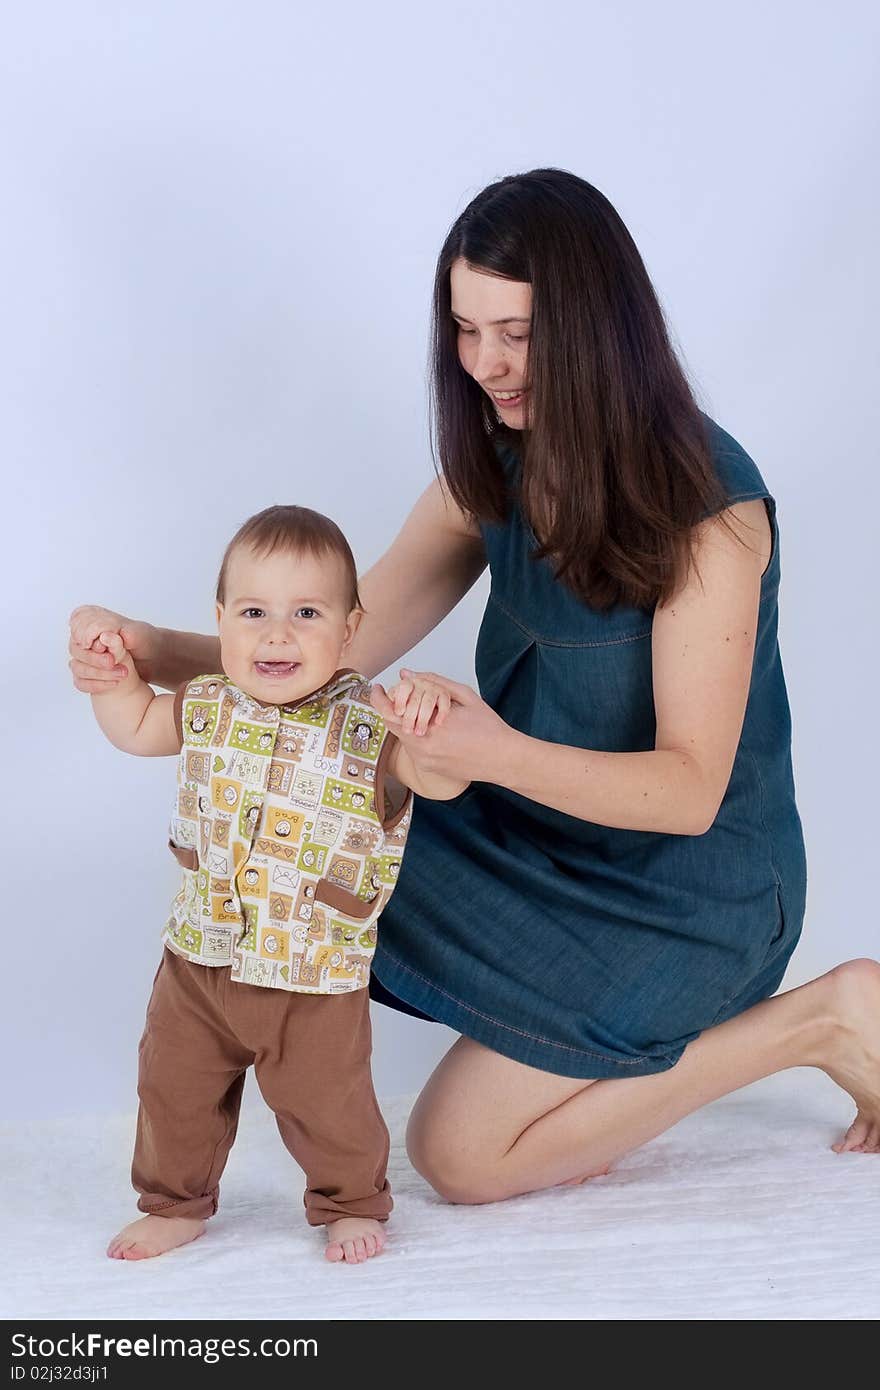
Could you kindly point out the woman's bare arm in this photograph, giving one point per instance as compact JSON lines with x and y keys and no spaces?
{"x":437,"y":556}
{"x":179,"y":656}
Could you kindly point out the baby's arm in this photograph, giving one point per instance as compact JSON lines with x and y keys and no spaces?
{"x":418,"y":702}
{"x":133,"y":717}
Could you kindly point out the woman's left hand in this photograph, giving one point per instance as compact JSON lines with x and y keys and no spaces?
{"x":473,"y":744}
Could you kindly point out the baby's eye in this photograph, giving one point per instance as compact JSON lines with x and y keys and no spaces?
{"x":252,"y":613}
{"x":309,"y":610}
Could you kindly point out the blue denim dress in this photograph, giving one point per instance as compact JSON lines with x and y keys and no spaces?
{"x":577,"y":948}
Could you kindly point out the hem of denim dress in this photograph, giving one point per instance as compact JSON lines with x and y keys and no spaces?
{"x":561,"y":1059}
{"x":763,"y":986}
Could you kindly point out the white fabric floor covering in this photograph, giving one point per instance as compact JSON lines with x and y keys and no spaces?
{"x":740,"y":1212}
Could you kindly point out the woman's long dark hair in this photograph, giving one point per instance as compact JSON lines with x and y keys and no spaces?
{"x":615,"y":443}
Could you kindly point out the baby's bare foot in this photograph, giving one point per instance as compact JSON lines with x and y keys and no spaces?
{"x":153,"y":1235}
{"x":354,"y":1239}
{"x":853,"y":1058}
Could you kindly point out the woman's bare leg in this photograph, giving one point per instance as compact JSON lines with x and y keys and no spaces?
{"x":486,"y":1127}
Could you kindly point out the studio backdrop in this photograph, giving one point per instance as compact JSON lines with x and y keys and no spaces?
{"x":218,"y":244}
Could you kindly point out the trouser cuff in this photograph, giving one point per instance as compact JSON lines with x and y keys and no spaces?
{"x":196,"y":1208}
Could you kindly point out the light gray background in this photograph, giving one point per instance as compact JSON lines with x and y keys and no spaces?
{"x":217,"y":248}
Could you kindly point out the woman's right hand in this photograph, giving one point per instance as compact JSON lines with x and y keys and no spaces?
{"x":93,"y":667}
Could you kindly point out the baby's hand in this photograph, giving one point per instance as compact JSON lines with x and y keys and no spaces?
{"x":418,"y":703}
{"x":88,"y":622}
{"x":90,"y":662}
{"x":112,"y":642}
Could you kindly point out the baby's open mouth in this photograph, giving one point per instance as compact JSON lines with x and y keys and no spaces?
{"x":276,"y":668}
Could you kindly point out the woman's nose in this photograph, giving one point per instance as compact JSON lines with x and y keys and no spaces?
{"x":490,"y":363}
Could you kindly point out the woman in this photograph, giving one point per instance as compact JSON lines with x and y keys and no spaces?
{"x":606,"y":911}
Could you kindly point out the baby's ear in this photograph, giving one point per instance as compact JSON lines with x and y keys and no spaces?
{"x":218,"y":613}
{"x":352,"y":623}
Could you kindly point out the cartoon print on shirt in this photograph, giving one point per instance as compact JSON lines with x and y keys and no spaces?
{"x":267,"y":774}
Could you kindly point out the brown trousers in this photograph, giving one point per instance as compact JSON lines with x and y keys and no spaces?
{"x":311,"y":1057}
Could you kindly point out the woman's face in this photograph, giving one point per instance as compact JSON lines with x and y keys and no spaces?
{"x":493,"y":317}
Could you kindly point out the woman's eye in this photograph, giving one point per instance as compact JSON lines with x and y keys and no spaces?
{"x":518,"y":337}
{"x":468,"y":332}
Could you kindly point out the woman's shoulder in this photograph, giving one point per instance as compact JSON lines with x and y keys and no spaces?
{"x":737,"y":471}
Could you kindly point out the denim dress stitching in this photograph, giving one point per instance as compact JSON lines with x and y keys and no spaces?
{"x":553,"y":642}
{"x":519,"y":1032}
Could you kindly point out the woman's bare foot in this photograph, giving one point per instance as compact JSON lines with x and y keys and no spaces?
{"x":853,"y":1056}
{"x":354,"y":1239}
{"x":576,"y":1182}
{"x":153,"y":1235}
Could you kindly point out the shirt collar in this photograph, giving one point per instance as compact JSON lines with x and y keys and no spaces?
{"x":340,"y":681}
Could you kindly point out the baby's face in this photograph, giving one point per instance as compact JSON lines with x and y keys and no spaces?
{"x":285,"y":625}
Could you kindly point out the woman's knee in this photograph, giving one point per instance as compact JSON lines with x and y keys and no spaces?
{"x":443,"y":1160}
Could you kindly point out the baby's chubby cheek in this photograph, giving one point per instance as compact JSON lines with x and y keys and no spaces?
{"x":233,"y":663}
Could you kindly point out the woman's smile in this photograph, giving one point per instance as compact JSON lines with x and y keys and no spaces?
{"x":507,"y":400}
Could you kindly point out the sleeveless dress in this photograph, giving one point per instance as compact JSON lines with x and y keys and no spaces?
{"x":578,"y":948}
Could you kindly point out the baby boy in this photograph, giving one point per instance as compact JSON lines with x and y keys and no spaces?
{"x":293,"y":805}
